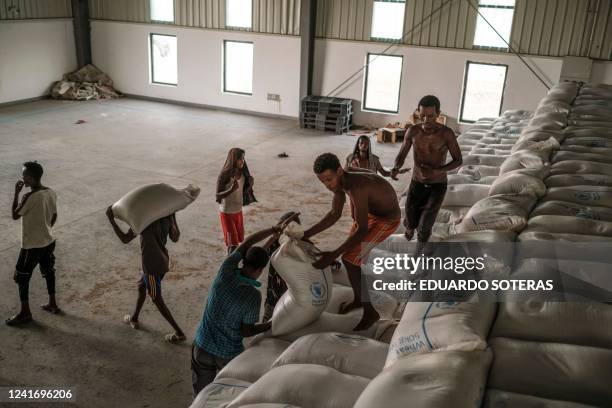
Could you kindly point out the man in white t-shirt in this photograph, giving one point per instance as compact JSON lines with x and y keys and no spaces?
{"x":38,"y":213}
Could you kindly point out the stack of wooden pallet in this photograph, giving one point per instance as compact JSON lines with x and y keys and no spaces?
{"x":327,"y":114}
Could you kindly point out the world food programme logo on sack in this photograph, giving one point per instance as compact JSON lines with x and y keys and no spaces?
{"x":446,"y":305}
{"x":319,"y":292}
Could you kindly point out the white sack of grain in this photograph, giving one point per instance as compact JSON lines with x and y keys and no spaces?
{"x":146,"y":204}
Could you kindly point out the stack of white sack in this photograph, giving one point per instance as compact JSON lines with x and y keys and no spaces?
{"x":146,"y":204}
{"x":577,"y":210}
{"x":308,"y":289}
{"x":441,"y":326}
{"x":303,"y":385}
{"x":557,"y":371}
{"x":442,"y":379}
{"x":219,"y":393}
{"x":505,"y":212}
{"x":342,"y":352}
{"x":496,"y":398}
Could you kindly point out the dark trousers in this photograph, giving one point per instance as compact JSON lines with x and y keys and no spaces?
{"x":422,"y":206}
{"x":204,"y":368}
{"x":27,"y":261}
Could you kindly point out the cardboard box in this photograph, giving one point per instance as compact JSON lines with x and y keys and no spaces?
{"x":392,"y":135}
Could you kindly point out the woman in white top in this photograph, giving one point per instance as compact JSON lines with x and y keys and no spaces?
{"x":234,"y":190}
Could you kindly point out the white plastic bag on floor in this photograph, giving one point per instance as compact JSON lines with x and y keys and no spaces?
{"x":255,"y":361}
{"x":217,"y":393}
{"x":446,"y":379}
{"x":464,"y":195}
{"x":505,"y":212}
{"x":304,"y":385}
{"x":342,"y":352}
{"x":552,"y":370}
{"x":146,"y":204}
{"x":441,"y":326}
{"x":309,"y":289}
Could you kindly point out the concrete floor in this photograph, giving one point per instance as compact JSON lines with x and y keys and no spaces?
{"x":123,"y":144}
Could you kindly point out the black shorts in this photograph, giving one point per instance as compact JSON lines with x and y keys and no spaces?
{"x":422,"y":206}
{"x":30,"y":258}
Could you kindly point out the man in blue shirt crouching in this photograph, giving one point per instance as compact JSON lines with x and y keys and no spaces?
{"x":232,"y":308}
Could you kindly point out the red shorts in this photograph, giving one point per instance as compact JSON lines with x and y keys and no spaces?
{"x":233,"y":228}
{"x":378,"y":230}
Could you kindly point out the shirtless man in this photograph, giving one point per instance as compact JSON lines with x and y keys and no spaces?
{"x":376,"y":215}
{"x":432,"y":141}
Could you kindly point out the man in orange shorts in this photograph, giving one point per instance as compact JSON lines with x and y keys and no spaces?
{"x":376,"y":215}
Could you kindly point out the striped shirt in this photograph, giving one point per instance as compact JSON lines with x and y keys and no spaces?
{"x":231,"y":302}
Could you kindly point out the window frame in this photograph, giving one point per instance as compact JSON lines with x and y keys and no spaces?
{"x":365,"y":85}
{"x":494,"y":6}
{"x":384,"y":39}
{"x":152,"y":59}
{"x":225,"y":68}
{"x":232,"y":27}
{"x":463,"y":92}
{"x":161,"y":21}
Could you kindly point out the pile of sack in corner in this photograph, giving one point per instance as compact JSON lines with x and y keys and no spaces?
{"x":85,"y":84}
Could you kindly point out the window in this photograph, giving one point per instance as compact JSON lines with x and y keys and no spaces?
{"x":238,"y":67}
{"x":388,"y":19}
{"x":162,"y":10}
{"x":238,"y":13}
{"x":382,"y":83}
{"x":499,"y":14}
{"x":483,"y":91}
{"x":163,"y":59}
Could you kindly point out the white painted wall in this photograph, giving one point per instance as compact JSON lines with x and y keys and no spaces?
{"x":33,"y":55}
{"x":602,"y":72}
{"x":426,"y":71}
{"x":122,"y":51}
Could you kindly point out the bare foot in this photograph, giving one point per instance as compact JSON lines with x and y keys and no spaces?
{"x":127,"y":319}
{"x":18,"y":319}
{"x":51,"y":308}
{"x":367,"y":320}
{"x":347,"y":307}
{"x":409,"y":234}
{"x":175,"y":338}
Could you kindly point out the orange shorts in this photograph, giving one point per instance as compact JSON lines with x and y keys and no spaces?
{"x":378,"y":230}
{"x":233,"y":228}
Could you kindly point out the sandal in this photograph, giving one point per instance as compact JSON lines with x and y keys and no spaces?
{"x":50,"y":309}
{"x":127,"y":319}
{"x":17,"y":320}
{"x":175,"y":338}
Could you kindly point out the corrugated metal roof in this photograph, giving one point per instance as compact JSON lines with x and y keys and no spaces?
{"x":32,"y":9}
{"x":269,"y":16}
{"x":540,"y":27}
